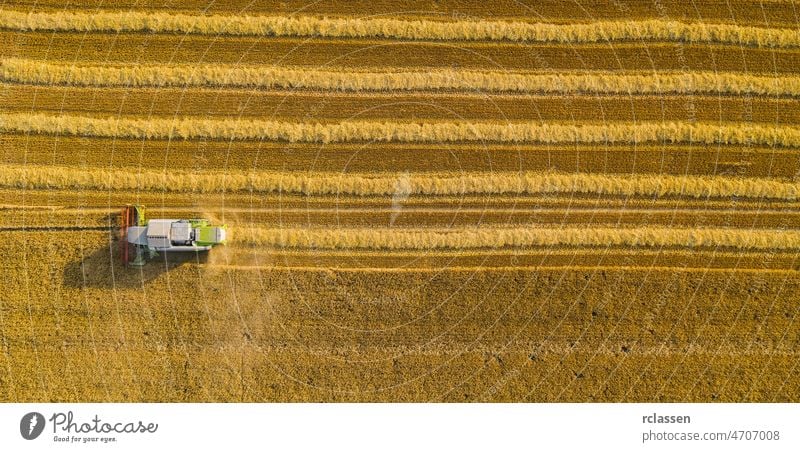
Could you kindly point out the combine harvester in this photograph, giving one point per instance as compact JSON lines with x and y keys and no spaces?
{"x":142,"y":239}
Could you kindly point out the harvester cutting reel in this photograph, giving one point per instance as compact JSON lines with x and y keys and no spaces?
{"x":142,"y":239}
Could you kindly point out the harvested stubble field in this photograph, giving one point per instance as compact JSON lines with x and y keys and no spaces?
{"x":427,"y":201}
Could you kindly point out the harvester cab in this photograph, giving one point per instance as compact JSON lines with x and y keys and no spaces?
{"x":142,"y":239}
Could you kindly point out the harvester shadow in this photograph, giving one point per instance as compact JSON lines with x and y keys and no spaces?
{"x":103,"y":268}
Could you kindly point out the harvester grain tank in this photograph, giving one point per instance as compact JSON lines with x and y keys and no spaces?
{"x":143,"y":239}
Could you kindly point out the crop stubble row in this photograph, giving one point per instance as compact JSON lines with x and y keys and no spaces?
{"x":147,"y":48}
{"x":204,"y":155}
{"x":328,"y":106}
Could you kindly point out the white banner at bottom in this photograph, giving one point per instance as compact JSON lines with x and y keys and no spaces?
{"x":399,"y":427}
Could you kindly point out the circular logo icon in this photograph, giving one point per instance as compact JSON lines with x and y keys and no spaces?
{"x":31,"y":425}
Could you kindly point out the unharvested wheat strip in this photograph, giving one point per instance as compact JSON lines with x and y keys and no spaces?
{"x":518,"y":237}
{"x":53,"y":177}
{"x":423,"y":29}
{"x":222,"y":75}
{"x":387,"y":131}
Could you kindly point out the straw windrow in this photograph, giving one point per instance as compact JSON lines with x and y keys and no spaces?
{"x":388,"y":131}
{"x":320,"y":183}
{"x":236,"y":76}
{"x":422,"y":29}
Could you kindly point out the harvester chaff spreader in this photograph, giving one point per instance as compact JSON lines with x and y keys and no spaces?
{"x":142,"y":239}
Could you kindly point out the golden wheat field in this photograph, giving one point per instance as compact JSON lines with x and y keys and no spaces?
{"x":427,"y":201}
